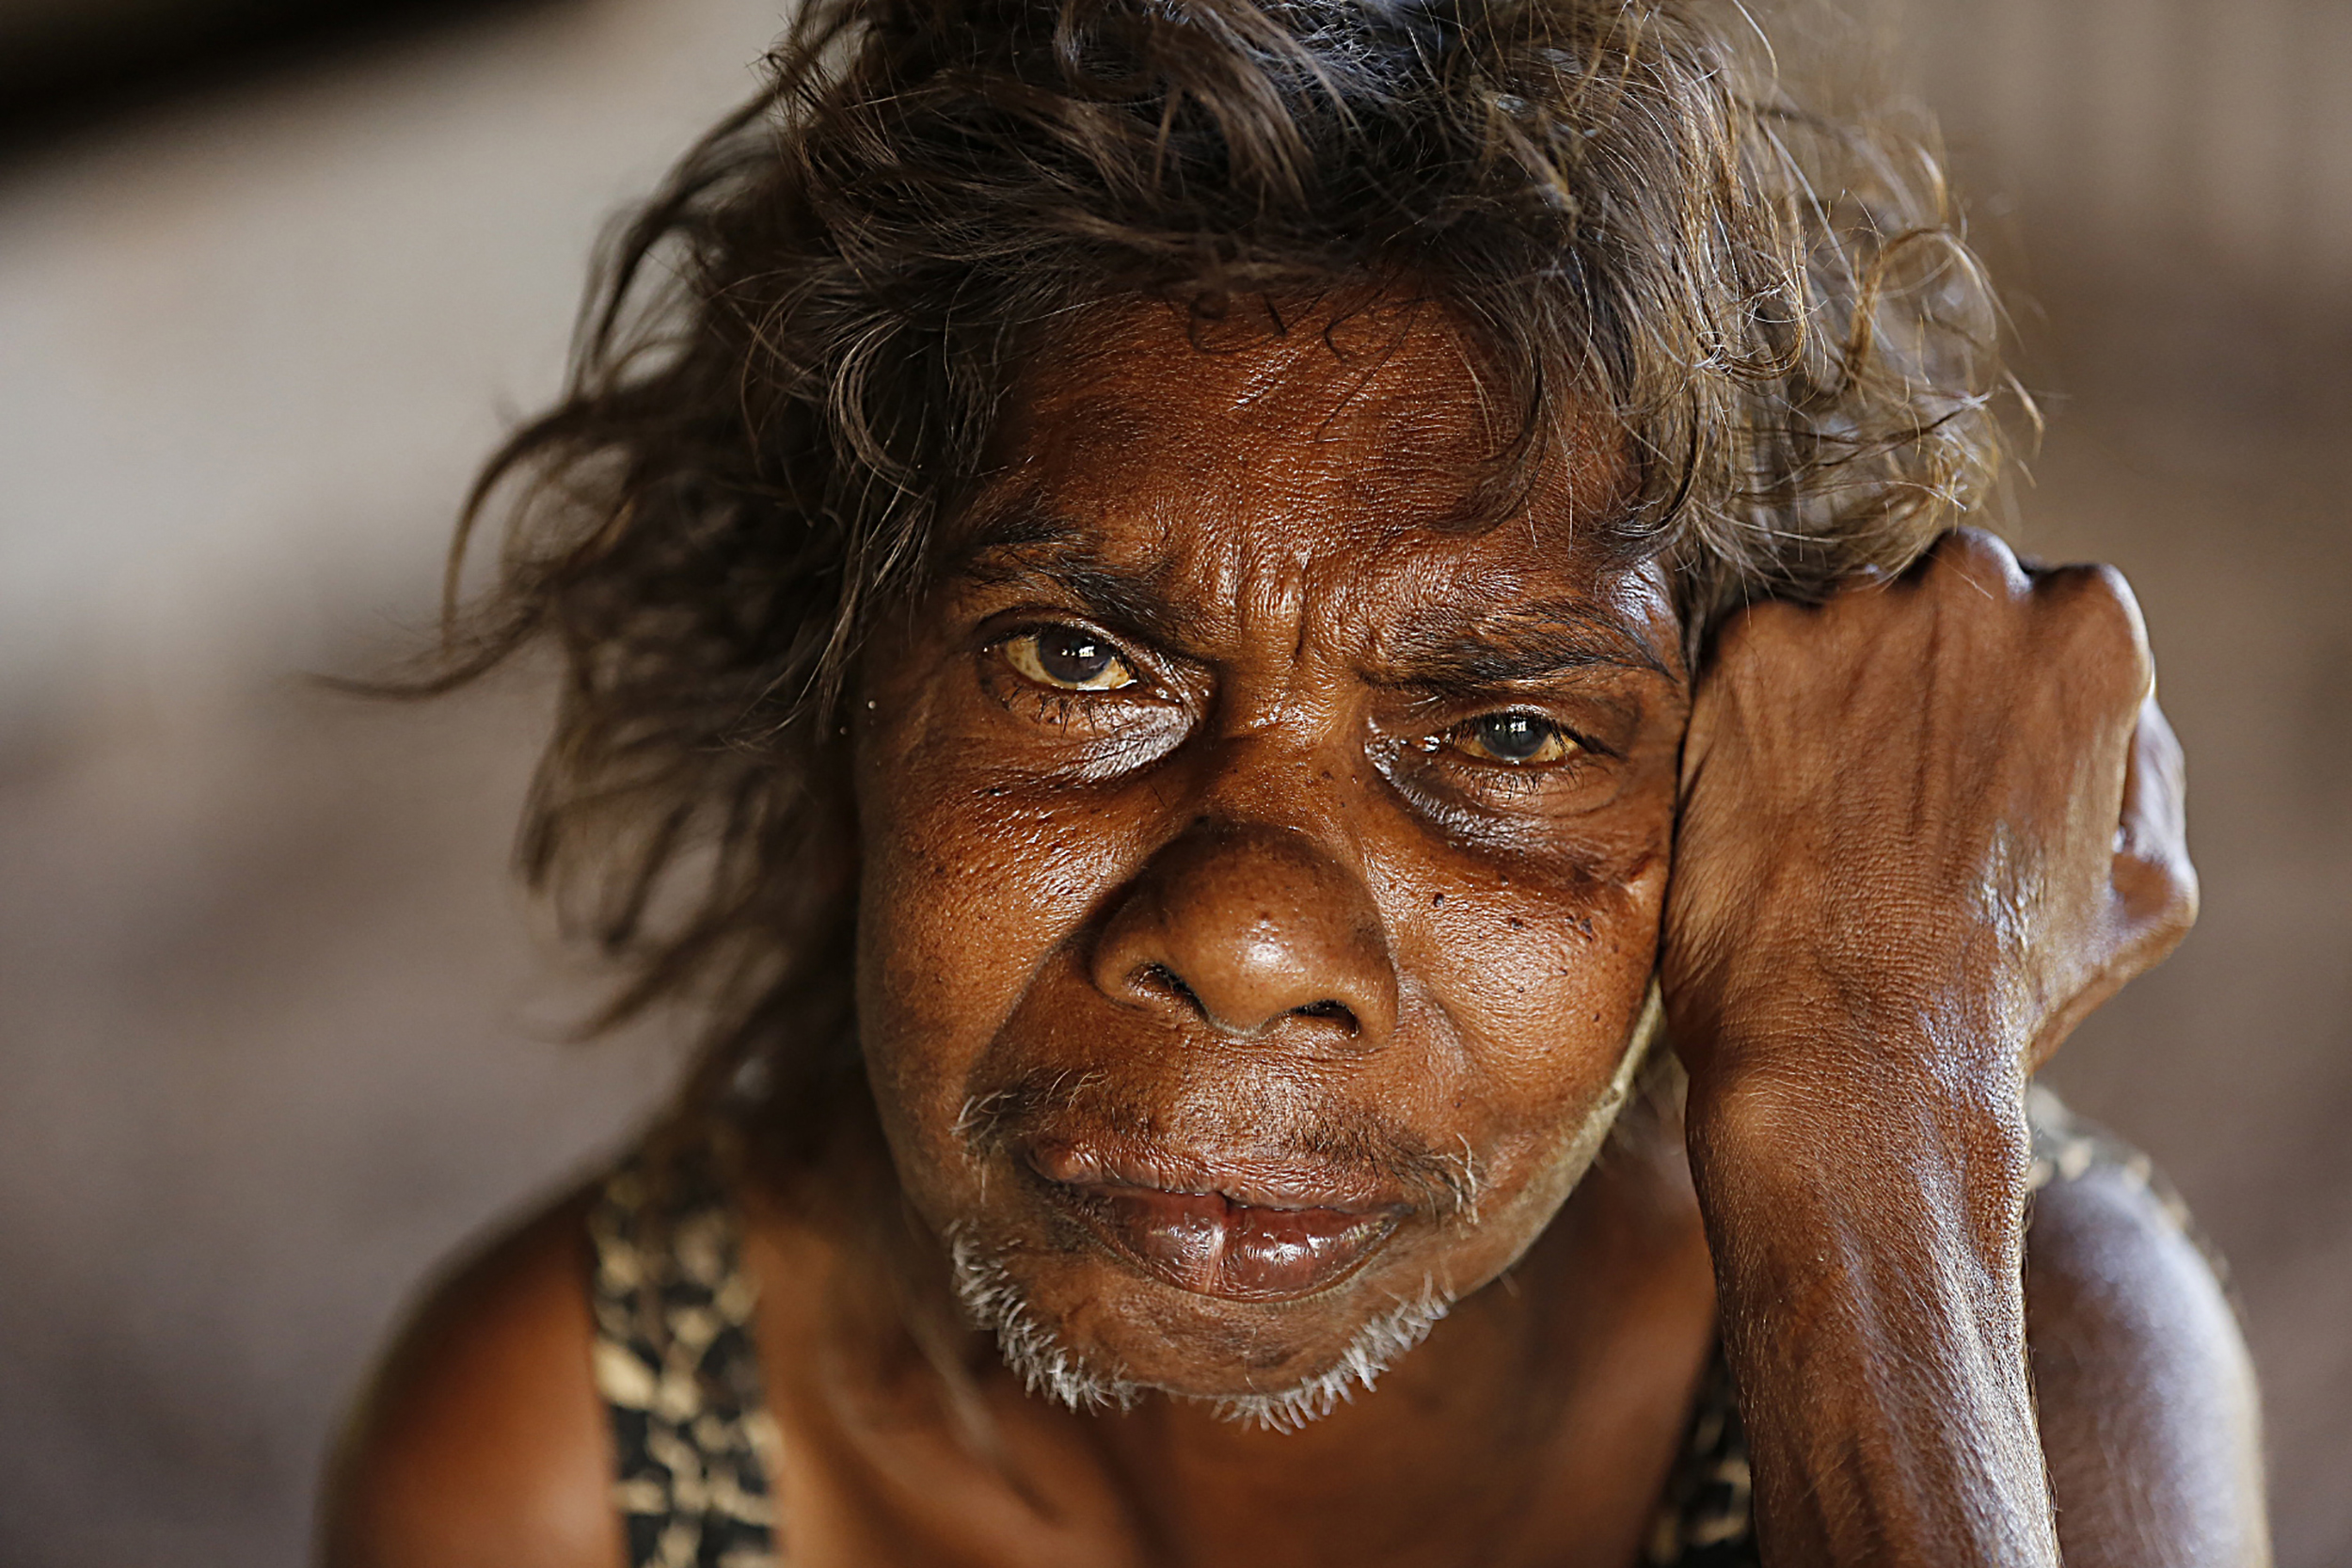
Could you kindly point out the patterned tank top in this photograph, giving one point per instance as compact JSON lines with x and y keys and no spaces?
{"x":695,"y":1447}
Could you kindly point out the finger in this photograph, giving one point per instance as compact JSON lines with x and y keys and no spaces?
{"x":2155,"y":882}
{"x":2155,"y":897}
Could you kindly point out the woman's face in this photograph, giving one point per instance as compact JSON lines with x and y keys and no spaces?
{"x":1262,"y":870}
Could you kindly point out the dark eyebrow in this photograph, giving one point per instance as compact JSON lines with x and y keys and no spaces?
{"x":1442,"y":653}
{"x":1454,"y":656}
{"x":1024,"y":545}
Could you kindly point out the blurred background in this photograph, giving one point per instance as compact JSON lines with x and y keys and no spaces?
{"x":275,"y":1031}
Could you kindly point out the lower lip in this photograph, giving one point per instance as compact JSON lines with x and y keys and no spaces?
{"x":1202,"y":1242}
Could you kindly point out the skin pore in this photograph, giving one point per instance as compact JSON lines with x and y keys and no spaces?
{"x":1264,"y":866}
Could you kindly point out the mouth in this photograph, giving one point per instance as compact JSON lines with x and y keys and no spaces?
{"x":1237,"y":1230}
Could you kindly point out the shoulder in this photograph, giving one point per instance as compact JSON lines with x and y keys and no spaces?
{"x":482,"y":1439}
{"x":2150,"y":1417}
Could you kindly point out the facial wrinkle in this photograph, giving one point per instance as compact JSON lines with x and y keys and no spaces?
{"x":1263,"y":565}
{"x":1347,"y":1138}
{"x":993,"y":1299}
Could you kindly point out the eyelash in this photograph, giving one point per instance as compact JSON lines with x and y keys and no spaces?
{"x":1025,"y":649}
{"x":1062,"y":711}
{"x":1500,"y":778}
{"x":1449,"y":781}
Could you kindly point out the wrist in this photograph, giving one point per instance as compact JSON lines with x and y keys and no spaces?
{"x":1864,"y":1202}
{"x":1813,"y":1047}
{"x":1885,"y":1128}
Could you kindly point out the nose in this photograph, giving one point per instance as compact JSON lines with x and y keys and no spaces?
{"x":1246,"y":926}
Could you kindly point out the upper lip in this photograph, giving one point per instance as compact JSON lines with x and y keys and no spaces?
{"x":1246,"y":1181}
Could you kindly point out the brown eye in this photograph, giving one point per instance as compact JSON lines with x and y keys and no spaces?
{"x":1513,"y":740}
{"x":1068,"y":660}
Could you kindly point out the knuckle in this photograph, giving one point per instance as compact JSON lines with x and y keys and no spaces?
{"x":1977,"y":557}
{"x":2090,"y":591}
{"x":2098,"y":620}
{"x":2184,"y":899}
{"x":2163,"y":913}
{"x":1749,"y":633}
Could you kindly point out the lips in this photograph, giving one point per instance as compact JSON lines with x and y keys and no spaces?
{"x":1246,"y":1235}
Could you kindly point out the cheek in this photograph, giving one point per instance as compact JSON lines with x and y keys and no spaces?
{"x":1541,"y":971}
{"x":966,"y":890}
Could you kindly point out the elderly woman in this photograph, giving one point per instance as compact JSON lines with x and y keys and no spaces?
{"x":1373,"y":881}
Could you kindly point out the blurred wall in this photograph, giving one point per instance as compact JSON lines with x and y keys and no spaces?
{"x":2167,"y":186}
{"x":275,"y":1033}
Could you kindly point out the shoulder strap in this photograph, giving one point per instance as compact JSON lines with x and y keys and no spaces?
{"x":676,"y":1365}
{"x":1703,"y":1521}
{"x":2067,"y":1148}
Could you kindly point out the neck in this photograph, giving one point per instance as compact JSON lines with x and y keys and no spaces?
{"x":1566,"y":1378}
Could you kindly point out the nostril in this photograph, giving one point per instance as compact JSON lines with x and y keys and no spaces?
{"x":1160,"y":978}
{"x":1165,"y":982}
{"x":1339,"y":1012}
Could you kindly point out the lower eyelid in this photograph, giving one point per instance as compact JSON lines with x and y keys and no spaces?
{"x":1470,"y":778}
{"x":1075,"y":710}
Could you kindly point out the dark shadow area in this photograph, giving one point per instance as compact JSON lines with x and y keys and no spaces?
{"x":68,"y":64}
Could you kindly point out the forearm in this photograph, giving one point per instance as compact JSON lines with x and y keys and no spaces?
{"x":1867,"y":1248}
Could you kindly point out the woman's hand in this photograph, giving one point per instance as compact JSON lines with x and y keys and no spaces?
{"x":1925,"y":828}
{"x":1948,"y":797}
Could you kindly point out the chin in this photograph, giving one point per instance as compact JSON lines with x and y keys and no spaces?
{"x":1092,"y":1332}
{"x":1269,"y":1272}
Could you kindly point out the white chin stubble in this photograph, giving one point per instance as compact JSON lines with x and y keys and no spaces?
{"x":1051,"y":1369}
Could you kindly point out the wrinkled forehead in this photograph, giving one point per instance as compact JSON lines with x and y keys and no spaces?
{"x":1362,"y":456}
